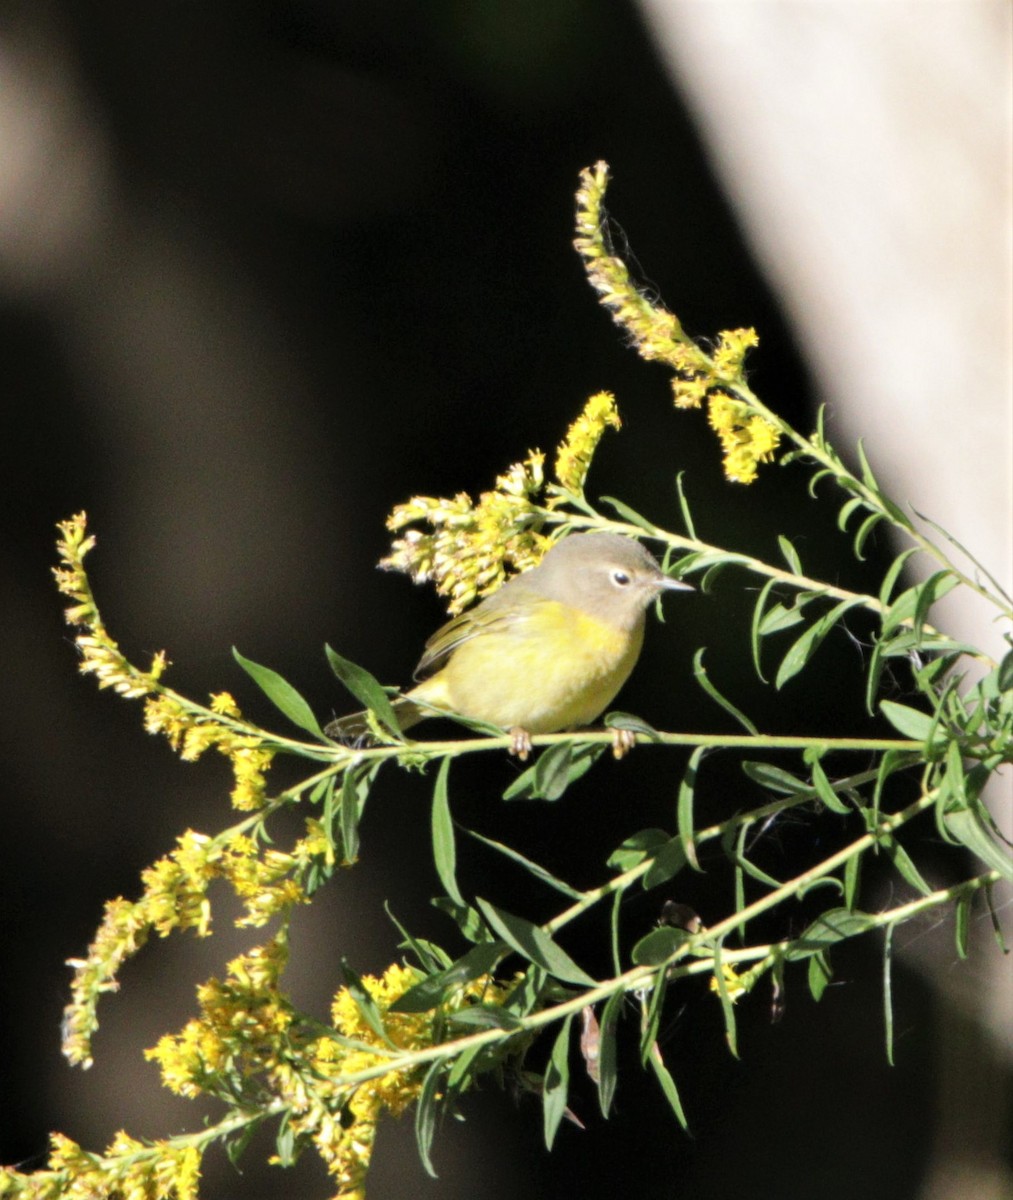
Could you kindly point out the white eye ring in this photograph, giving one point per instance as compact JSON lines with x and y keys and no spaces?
{"x":620,"y":578}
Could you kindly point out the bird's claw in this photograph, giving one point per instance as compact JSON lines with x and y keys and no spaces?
{"x":623,"y":741}
{"x":520,"y":743}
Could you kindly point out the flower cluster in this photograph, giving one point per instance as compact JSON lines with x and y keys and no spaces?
{"x":249,"y":1046}
{"x":146,"y":1170}
{"x":474,"y":547}
{"x":100,"y":655}
{"x":746,"y":435}
{"x":746,"y":438}
{"x":191,"y":730}
{"x":573,"y":458}
{"x":175,"y":896}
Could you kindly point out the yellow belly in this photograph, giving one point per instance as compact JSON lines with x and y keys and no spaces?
{"x":551,"y":672}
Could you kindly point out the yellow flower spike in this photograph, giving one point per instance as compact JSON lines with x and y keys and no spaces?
{"x":746,"y":438}
{"x":733,"y":983}
{"x":573,"y":458}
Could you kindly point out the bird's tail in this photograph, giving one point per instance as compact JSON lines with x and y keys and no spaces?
{"x":356,"y":728}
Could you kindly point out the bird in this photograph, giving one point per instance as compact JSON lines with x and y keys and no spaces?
{"x":546,"y":652}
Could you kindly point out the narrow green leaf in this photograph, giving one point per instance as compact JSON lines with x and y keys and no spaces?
{"x":629,"y":514}
{"x":527,"y":992}
{"x":533,"y":868}
{"x":820,"y":974}
{"x":650,"y":1020}
{"x":967,"y":827}
{"x":668,"y":862}
{"x":431,"y":958}
{"x":687,"y":518}
{"x":835,"y":925}
{"x":790,"y":554}
{"x":637,"y":725}
{"x":281,"y":694}
{"x":846,"y":510}
{"x":465,"y":918}
{"x":825,"y":790}
{"x":852,"y":878}
{"x":867,"y":476}
{"x":557,"y":1083}
{"x":428,"y":992}
{"x":553,"y":771}
{"x":862,"y":536}
{"x":809,"y":642}
{"x":485,"y":1016}
{"x":634,"y":849}
{"x":425,"y":1115}
{"x":754,"y":629}
{"x":658,"y":946}
{"x":775,"y":778}
{"x":664,"y":1077}
{"x":727,"y":1007}
{"x":364,"y":1002}
{"x":906,"y":868}
{"x":888,"y":990}
{"x":908,"y":721}
{"x":734,"y":844}
{"x":893,"y":573}
{"x":700,"y":674}
{"x":1005,"y":673}
{"x":684,"y":808}
{"x":349,"y":811}
{"x":365,"y":689}
{"x":534,"y":944}
{"x":444,"y":849}
{"x":962,"y":922}
{"x":460,"y":1070}
{"x":935,"y":587}
{"x":607,"y":1057}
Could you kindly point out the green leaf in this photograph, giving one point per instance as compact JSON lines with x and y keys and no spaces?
{"x":365,"y":689}
{"x":783,"y":616}
{"x":428,"y":992}
{"x":658,"y":946}
{"x":846,"y":510}
{"x":776,"y":779}
{"x":485,"y":1016}
{"x":533,"y":868}
{"x":634,"y":849}
{"x":349,"y":813}
{"x":686,"y":516}
{"x":431,"y":957}
{"x":892,"y":574}
{"x":557,"y":1083}
{"x":465,"y":918}
{"x":650,"y":1020}
{"x":888,"y":990}
{"x":553,"y":771}
{"x":281,"y":694}
{"x":820,"y":974}
{"x":825,"y":791}
{"x":703,"y":680}
{"x":684,"y":808}
{"x":365,"y":1003}
{"x":1005,"y":680}
{"x":906,"y":868}
{"x":637,"y":725}
{"x":668,"y":862}
{"x":534,"y":944}
{"x":967,"y":827}
{"x":607,"y":1058}
{"x":962,"y":922}
{"x":835,"y":925}
{"x":664,"y":1077}
{"x":790,"y":555}
{"x":852,"y":878}
{"x":867,"y":476}
{"x":862,"y":536}
{"x":754,"y":629}
{"x":727,"y":1006}
{"x":909,"y":721}
{"x":629,"y":514}
{"x":444,"y":850}
{"x":527,"y":992}
{"x":809,"y":642}
{"x":425,"y":1115}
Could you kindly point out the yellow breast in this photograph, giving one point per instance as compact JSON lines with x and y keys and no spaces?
{"x":549,"y":670}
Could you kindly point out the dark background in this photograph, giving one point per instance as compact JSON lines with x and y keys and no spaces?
{"x":325,"y":264}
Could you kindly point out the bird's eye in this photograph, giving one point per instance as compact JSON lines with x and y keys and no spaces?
{"x":620,"y":578}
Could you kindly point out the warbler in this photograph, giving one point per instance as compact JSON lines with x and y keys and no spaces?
{"x":546,"y":652}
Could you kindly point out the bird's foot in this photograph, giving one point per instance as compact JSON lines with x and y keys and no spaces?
{"x":623,"y":741}
{"x":520,"y":742}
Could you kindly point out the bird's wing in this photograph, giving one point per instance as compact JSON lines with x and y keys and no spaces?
{"x":509,"y":608}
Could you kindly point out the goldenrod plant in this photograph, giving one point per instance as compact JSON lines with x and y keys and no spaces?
{"x":516,"y":1004}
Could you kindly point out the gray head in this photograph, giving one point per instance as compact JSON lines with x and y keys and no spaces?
{"x":604,"y":575}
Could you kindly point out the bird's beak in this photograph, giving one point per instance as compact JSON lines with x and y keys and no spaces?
{"x":667,"y":584}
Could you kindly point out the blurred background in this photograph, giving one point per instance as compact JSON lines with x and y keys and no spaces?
{"x":267,"y":269}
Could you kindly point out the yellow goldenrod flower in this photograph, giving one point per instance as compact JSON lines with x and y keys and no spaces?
{"x":573,"y":458}
{"x":746,"y":438}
